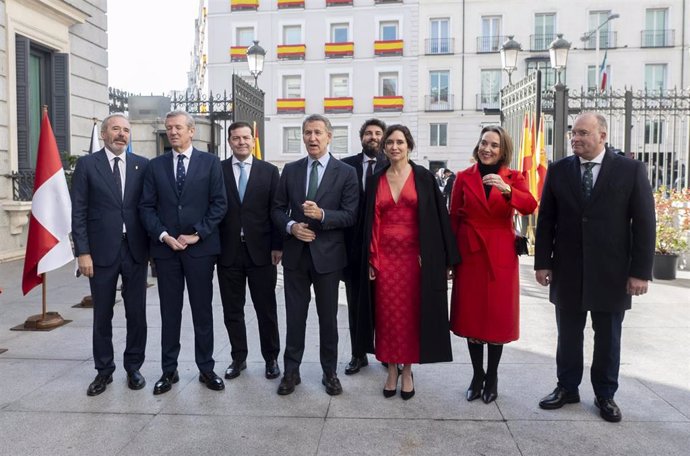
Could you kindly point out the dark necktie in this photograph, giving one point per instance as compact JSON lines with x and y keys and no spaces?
{"x":587,"y":180}
{"x":370,"y":171}
{"x":313,"y":181}
{"x":242,"y":184}
{"x":117,"y":176}
{"x":180,"y":173}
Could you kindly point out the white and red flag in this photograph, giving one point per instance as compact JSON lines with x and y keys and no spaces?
{"x":48,"y":245}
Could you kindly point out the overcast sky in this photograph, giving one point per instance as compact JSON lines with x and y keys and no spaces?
{"x":149,"y":44}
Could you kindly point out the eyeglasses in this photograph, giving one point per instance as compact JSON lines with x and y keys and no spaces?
{"x":581,"y":133}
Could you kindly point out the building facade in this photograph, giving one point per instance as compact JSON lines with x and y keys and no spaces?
{"x":54,"y":53}
{"x":433,"y":65}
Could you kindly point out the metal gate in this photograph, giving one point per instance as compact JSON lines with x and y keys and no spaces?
{"x":522,"y":97}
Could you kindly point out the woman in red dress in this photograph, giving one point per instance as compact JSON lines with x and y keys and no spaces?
{"x":409,"y":251}
{"x":485,"y":301}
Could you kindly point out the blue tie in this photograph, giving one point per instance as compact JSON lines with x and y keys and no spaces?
{"x":180,"y":173}
{"x":587,"y":180}
{"x":313,"y":181}
{"x":242,"y":184}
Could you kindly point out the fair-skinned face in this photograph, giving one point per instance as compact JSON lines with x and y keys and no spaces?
{"x":587,"y":139}
{"x":371,"y":140}
{"x":489,"y":151}
{"x":116,"y":135}
{"x":241,"y":142}
{"x":179,"y":133}
{"x":316,"y":138}
{"x":396,"y":147}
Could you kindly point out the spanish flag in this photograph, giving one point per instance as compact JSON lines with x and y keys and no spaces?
{"x":543,"y":160}
{"x":527,"y":154}
{"x":257,"y":144}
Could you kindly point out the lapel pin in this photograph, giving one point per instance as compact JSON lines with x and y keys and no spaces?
{"x":136,"y":166}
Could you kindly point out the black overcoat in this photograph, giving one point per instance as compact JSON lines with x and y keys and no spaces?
{"x":592,"y":247}
{"x":438,"y":251}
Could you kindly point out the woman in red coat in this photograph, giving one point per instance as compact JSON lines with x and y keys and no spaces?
{"x":485,"y":302}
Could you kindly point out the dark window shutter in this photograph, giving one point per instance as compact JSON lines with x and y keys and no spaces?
{"x":22,"y":68}
{"x":60,"y":100}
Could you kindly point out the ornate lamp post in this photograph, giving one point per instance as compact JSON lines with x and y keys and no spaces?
{"x":558,"y":53}
{"x":255,"y":59}
{"x":509,"y":56}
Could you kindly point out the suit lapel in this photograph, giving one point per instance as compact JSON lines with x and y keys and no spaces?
{"x":474,"y":183}
{"x":106,"y":172}
{"x":253,"y":180}
{"x":575,"y":179}
{"x":169,"y":171}
{"x":192,"y":168}
{"x":360,"y":173}
{"x":603,"y":177}
{"x":328,"y":176}
{"x":131,"y":176}
{"x":230,"y":182}
{"x":302,"y":178}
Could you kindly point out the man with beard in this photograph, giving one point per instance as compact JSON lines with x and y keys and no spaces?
{"x":370,"y":160}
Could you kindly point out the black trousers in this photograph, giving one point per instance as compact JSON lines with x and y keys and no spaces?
{"x":262,"y":284}
{"x":103,"y":286}
{"x":607,"y":328}
{"x":297,"y":297}
{"x":197,"y":273}
{"x":351,"y":290}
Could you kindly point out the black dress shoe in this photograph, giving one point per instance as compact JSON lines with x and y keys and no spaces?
{"x":272,"y":369}
{"x":212,"y":381}
{"x":558,"y":398}
{"x":490,"y":392}
{"x":608,"y":410}
{"x":98,"y":384}
{"x":135,"y":380}
{"x":166,"y":381}
{"x":288,"y":383}
{"x":332,"y":384}
{"x":475,"y":389}
{"x":234,"y":369}
{"x":356,"y":363}
{"x":407,"y":395}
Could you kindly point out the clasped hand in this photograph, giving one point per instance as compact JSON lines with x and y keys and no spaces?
{"x":182,"y":241}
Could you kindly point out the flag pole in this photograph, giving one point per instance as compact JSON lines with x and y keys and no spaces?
{"x":45,"y":320}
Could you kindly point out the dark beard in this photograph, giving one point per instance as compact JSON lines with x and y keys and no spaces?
{"x":369,"y":152}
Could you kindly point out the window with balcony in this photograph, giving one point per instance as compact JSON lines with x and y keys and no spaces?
{"x":339,"y":85}
{"x":292,"y":86}
{"x":438,"y":135}
{"x":292,"y":140}
{"x":388,"y":84}
{"x":439,"y":96}
{"x":340,"y":33}
{"x":490,"y":41}
{"x":244,"y":36}
{"x":439,"y":41}
{"x":544,"y":31}
{"x":655,"y":78}
{"x":548,"y":74}
{"x":340,"y":140}
{"x":292,"y":34}
{"x":594,"y":79}
{"x":491,"y":89}
{"x":656,"y":33}
{"x":606,"y":36}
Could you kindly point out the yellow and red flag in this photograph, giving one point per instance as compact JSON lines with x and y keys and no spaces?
{"x":526,"y":158}
{"x":542,"y":164}
{"x":257,"y":144}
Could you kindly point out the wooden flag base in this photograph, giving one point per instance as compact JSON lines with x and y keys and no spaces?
{"x":49,"y":320}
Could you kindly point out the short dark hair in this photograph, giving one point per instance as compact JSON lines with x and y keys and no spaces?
{"x":318,"y":118}
{"x":505,"y":142}
{"x":379,"y":123}
{"x":239,"y":124}
{"x":404,"y":130}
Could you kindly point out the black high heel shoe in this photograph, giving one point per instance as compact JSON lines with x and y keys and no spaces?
{"x":390,"y":393}
{"x":475,"y":389}
{"x":490,"y":390}
{"x":406,"y":395}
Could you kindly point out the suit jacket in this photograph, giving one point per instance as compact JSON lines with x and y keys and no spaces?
{"x":253,"y":214}
{"x":98,"y":212}
{"x":593,"y":246}
{"x":353,"y":234}
{"x":198,"y":209}
{"x":437,"y":250}
{"x":337,"y":195}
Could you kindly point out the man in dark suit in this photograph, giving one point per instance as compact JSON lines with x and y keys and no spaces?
{"x":251,"y":248}
{"x":449,"y":177}
{"x":316,"y":200}
{"x":181,"y":205}
{"x":110,"y":241}
{"x":365,"y":163}
{"x":595,"y":248}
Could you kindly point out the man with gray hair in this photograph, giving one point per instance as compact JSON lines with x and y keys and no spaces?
{"x":182,"y":203}
{"x":109,"y":242}
{"x":316,"y":200}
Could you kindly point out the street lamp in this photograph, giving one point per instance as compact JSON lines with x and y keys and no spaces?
{"x":558,"y":54}
{"x":588,"y":36}
{"x":255,"y":59}
{"x":509,"y":56}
